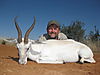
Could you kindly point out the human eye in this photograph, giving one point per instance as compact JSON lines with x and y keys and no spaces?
{"x":55,"y":28}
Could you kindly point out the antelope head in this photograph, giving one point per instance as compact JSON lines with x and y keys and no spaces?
{"x":23,"y":44}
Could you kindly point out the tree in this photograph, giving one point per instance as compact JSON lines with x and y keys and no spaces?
{"x":74,"y":31}
{"x":94,"y":35}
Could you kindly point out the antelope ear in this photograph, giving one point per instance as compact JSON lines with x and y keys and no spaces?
{"x":18,"y":45}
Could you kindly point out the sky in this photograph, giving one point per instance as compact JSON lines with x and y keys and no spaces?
{"x":63,"y":11}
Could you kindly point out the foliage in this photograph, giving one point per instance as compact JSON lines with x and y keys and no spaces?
{"x":77,"y":32}
{"x":95,"y":46}
{"x":74,"y":31}
{"x":94,"y":35}
{"x":3,"y":42}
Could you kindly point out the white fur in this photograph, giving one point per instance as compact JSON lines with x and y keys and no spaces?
{"x":54,"y":52}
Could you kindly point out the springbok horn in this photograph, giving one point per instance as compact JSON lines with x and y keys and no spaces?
{"x":18,"y":30}
{"x":28,"y":31}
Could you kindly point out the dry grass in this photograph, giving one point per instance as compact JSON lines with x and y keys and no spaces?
{"x":2,"y":42}
{"x":95,"y":46}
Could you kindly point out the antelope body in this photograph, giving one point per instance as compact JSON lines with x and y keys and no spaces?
{"x":51,"y":51}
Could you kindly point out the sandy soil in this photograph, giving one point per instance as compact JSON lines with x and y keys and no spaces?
{"x":9,"y":65}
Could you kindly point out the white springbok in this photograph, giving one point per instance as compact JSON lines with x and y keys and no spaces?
{"x":51,"y":51}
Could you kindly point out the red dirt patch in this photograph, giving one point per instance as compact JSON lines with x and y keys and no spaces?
{"x":9,"y":65}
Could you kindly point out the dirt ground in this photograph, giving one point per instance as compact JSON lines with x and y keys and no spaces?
{"x":9,"y":65}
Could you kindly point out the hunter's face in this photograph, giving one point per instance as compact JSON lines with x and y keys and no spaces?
{"x":53,"y":31}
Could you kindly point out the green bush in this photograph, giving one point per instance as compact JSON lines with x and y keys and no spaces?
{"x":3,"y":42}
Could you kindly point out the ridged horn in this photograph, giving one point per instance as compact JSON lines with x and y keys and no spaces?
{"x":28,"y":31}
{"x":18,"y":30}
